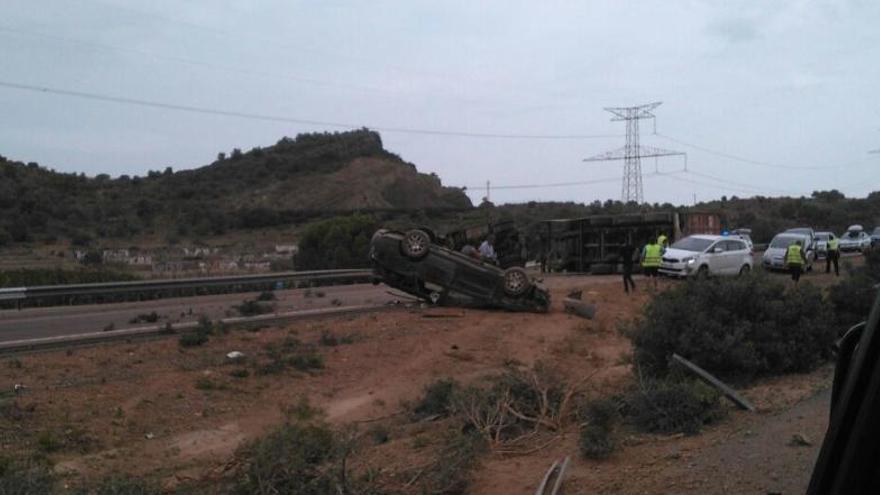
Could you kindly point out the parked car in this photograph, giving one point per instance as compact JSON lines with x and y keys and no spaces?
{"x":744,"y":234}
{"x":807,"y":231}
{"x":875,"y":236}
{"x":822,"y":239}
{"x":855,"y":239}
{"x":774,"y":256}
{"x":705,"y":255}
{"x":416,"y":263}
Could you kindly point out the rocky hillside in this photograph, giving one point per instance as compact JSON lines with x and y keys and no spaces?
{"x":292,"y":181}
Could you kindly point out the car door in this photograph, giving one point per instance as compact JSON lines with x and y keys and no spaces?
{"x":731,"y":256}
{"x":739,"y":251}
{"x":715,"y":259}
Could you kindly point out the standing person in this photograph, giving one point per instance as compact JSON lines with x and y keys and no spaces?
{"x":626,"y":259}
{"x":795,"y":260}
{"x":833,"y":256}
{"x":662,"y":240}
{"x":487,"y":249}
{"x":651,"y":259}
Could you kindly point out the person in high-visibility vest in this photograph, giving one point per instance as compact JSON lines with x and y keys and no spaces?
{"x":652,"y":256}
{"x":795,"y":260}
{"x":663,"y":241}
{"x":832,"y":255}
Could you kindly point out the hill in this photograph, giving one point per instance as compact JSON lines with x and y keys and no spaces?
{"x":294,"y":180}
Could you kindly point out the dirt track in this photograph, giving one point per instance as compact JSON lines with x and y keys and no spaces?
{"x":141,"y":408}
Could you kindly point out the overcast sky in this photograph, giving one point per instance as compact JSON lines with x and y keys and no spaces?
{"x":777,"y":85}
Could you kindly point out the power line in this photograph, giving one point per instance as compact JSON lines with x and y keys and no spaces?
{"x":568,"y":184}
{"x":734,"y":183}
{"x":743,"y":159}
{"x":192,"y":62}
{"x":292,"y":120}
{"x":719,"y":186}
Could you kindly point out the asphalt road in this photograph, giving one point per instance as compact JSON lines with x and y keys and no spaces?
{"x":56,"y":321}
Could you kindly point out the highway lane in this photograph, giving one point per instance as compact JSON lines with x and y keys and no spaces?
{"x":56,"y":321}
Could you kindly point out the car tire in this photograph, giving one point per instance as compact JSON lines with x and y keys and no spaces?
{"x":516,"y":281}
{"x":703,"y":273}
{"x":744,"y":270}
{"x":415,"y":244}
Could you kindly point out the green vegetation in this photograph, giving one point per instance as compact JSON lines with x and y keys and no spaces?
{"x":290,"y":353}
{"x":672,"y":406}
{"x":253,"y":307}
{"x":853,"y":296}
{"x":151,"y":317}
{"x":240,"y":191}
{"x":23,"y":478}
{"x":599,"y":418}
{"x":193,"y":339}
{"x":305,"y":458}
{"x":436,"y":399}
{"x":342,"y":242}
{"x":735,"y":328}
{"x":120,"y":485}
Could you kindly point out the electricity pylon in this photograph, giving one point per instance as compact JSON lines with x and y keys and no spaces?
{"x":632,"y":153}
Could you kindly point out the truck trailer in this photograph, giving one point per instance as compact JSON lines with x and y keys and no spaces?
{"x":592,"y":244}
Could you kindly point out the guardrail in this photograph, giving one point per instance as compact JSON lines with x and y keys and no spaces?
{"x":156,"y":331}
{"x":17,"y":296}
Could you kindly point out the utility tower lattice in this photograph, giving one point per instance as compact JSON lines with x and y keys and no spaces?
{"x":632,"y":153}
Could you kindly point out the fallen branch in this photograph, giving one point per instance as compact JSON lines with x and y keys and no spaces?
{"x":718,"y":384}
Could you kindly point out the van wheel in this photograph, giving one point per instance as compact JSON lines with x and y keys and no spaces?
{"x":516,"y":281}
{"x":415,"y":244}
{"x":745,"y":270}
{"x":703,"y":272}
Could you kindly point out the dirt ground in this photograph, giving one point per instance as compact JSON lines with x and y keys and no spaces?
{"x":178,"y":414}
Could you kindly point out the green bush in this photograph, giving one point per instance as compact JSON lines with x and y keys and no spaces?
{"x":240,"y":373}
{"x":120,"y":485}
{"x":451,"y":471}
{"x":735,"y":327}
{"x":254,"y":307}
{"x":266,"y":295}
{"x":671,"y":406}
{"x":437,"y":399}
{"x":340,"y":242}
{"x":193,"y":339}
{"x":291,"y":352}
{"x":291,"y":459}
{"x":24,"y":478}
{"x":596,"y":436}
{"x":853,"y":297}
{"x":307,"y":361}
{"x":596,"y":442}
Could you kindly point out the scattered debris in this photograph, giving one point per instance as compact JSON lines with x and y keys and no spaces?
{"x":718,"y":384}
{"x":443,"y":314}
{"x":150,"y":436}
{"x":800,"y":440}
{"x":556,"y":473}
{"x":235,"y":355}
{"x":574,"y":303}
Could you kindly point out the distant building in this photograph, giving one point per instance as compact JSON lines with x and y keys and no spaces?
{"x":291,"y":249}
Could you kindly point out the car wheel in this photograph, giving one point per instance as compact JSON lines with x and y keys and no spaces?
{"x":703,"y":272}
{"x":415,"y":244}
{"x":516,"y":281}
{"x":745,"y":270}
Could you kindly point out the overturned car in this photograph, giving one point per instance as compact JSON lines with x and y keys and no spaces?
{"x":417,"y":264}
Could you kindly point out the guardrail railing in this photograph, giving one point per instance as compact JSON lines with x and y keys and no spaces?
{"x":179,"y":287}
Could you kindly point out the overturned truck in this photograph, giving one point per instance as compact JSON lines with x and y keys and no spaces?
{"x":592,"y":244}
